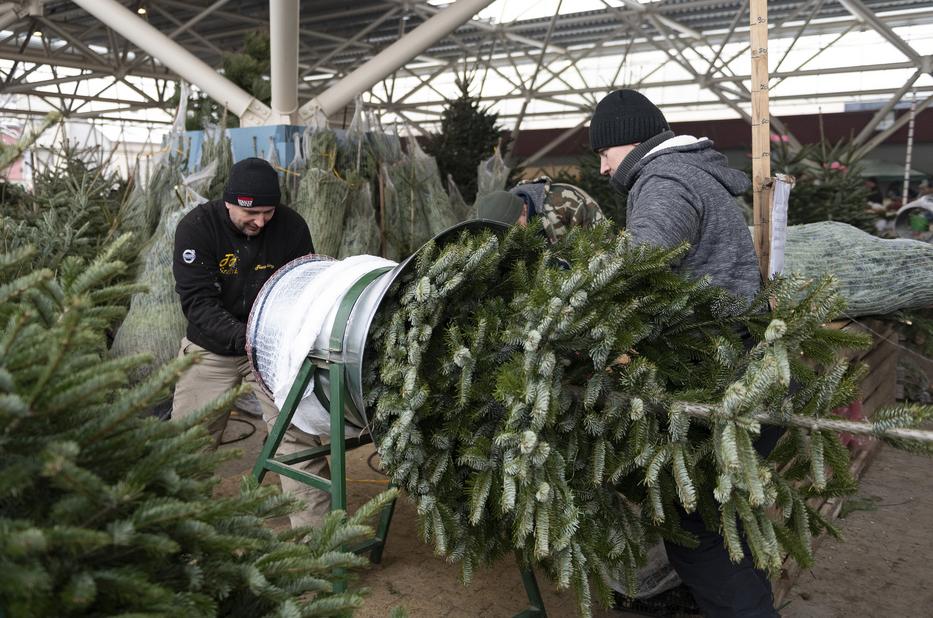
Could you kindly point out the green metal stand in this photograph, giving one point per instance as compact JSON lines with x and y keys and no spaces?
{"x":333,"y":363}
{"x":336,"y":486}
{"x":535,"y":602}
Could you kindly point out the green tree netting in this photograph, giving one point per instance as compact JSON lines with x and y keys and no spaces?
{"x":216,"y":147}
{"x":322,"y":201}
{"x":461,"y":210}
{"x":355,"y":153}
{"x":272,"y":156}
{"x":293,"y":173}
{"x":491,"y":174}
{"x":144,"y":204}
{"x":320,"y":148}
{"x":387,"y":147}
{"x":155,"y":323}
{"x":416,"y":205}
{"x":875,"y":276}
{"x":360,"y":231}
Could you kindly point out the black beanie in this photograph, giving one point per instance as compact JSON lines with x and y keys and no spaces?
{"x":253,"y":183}
{"x":625,"y":117}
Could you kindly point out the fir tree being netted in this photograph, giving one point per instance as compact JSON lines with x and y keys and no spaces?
{"x":468,"y":135}
{"x":562,"y":401}
{"x":104,"y":512}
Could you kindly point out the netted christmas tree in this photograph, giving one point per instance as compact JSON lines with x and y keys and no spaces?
{"x":103,"y":512}
{"x":564,"y":401}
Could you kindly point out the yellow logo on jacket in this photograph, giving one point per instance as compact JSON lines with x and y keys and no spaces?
{"x":228,"y":265}
{"x":264,"y":267}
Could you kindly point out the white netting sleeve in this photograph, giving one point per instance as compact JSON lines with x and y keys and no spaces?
{"x":293,"y":315}
{"x":876,"y":276}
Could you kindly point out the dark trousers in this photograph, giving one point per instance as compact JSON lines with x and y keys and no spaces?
{"x":722,"y":588}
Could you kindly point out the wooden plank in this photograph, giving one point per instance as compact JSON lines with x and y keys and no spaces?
{"x":883,"y":329}
{"x":884,"y":395}
{"x":879,"y":351}
{"x":761,"y":135}
{"x":880,"y":376}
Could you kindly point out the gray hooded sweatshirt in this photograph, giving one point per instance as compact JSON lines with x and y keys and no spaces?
{"x":683,"y":190}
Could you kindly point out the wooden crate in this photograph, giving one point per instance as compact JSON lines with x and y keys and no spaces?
{"x":877,"y":390}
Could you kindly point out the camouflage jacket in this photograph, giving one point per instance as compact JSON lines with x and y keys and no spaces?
{"x":560,"y":205}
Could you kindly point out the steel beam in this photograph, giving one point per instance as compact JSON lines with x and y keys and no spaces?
{"x":554,"y":143}
{"x":178,"y":59}
{"x":23,"y":85}
{"x":884,"y":111}
{"x":194,"y":20}
{"x":691,"y":81}
{"x":863,"y":13}
{"x":372,"y":26}
{"x":255,"y":21}
{"x":391,"y":59}
{"x":530,"y":90}
{"x":637,"y":44}
{"x":175,"y":33}
{"x":898,"y":124}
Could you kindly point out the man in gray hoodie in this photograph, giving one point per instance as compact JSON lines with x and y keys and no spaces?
{"x":681,"y":190}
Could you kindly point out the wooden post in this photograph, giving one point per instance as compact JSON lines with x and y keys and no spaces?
{"x":761,"y":134}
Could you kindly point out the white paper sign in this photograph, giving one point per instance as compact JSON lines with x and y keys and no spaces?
{"x":780,"y":193}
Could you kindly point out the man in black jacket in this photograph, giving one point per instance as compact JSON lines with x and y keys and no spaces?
{"x":225,"y":250}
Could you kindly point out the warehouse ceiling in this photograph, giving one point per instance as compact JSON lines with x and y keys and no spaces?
{"x":545,"y":69}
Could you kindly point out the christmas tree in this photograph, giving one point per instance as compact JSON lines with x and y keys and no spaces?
{"x":564,"y":401}
{"x":75,"y":207}
{"x":246,"y":70}
{"x":828,"y":185}
{"x":104,"y":512}
{"x":468,"y":135}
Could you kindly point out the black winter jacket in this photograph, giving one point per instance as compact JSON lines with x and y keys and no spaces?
{"x":219,"y":270}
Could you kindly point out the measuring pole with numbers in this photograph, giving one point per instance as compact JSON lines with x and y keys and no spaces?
{"x":761,"y":134}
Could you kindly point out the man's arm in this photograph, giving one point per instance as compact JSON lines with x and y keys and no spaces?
{"x":664,"y":214}
{"x":197,"y":281}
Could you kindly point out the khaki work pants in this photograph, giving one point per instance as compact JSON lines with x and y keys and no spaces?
{"x":215,"y":375}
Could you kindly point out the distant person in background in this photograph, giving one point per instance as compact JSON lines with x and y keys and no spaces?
{"x":874,"y":191}
{"x":925,"y":188}
{"x":559,"y":206}
{"x":225,"y":250}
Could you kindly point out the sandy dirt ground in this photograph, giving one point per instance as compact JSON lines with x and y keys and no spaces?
{"x":884,"y":568}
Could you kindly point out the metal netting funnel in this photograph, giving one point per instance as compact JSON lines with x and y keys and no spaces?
{"x":288,"y":311}
{"x":370,"y":301}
